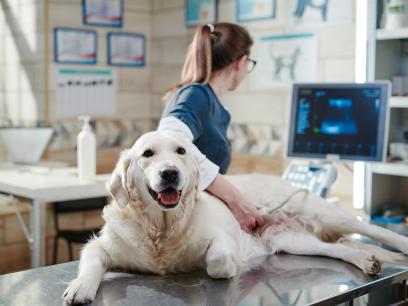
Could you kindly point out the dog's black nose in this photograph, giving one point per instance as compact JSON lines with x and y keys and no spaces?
{"x":170,"y":175}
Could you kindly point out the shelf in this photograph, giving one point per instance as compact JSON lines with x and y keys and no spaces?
{"x":399,"y":102}
{"x":398,"y":169}
{"x":392,"y":34}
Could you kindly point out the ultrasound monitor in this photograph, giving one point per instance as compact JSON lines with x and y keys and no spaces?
{"x":339,"y":121}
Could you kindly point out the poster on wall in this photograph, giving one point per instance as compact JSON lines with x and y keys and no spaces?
{"x":107,"y":13}
{"x":319,"y":12}
{"x":84,"y":92}
{"x":284,"y":59}
{"x":252,"y":10}
{"x":75,"y":46}
{"x":199,"y":12}
{"x":126,"y":49}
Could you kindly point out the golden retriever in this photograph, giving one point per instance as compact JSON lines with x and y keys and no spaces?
{"x":159,"y":222}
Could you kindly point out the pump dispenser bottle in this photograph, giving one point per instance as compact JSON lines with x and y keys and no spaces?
{"x":86,"y":152}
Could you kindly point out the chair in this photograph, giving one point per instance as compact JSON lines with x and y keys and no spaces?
{"x":73,"y":235}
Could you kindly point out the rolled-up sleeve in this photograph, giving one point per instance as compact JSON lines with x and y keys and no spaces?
{"x":208,"y":170}
{"x":192,"y":108}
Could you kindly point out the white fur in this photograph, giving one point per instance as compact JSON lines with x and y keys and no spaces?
{"x":201,"y":232}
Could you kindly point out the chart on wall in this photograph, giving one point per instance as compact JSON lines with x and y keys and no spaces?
{"x":84,"y":92}
{"x":319,"y":12}
{"x":283,"y":59}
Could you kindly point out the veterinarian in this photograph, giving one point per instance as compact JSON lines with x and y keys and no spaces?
{"x":217,"y":61}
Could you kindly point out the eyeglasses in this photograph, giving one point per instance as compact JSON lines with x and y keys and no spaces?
{"x":251,"y":65}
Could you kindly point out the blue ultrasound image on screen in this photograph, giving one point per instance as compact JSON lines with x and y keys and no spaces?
{"x":337,"y":121}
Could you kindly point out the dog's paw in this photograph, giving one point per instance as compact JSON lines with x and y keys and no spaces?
{"x":222,"y":267}
{"x":372,"y":265}
{"x":80,"y":291}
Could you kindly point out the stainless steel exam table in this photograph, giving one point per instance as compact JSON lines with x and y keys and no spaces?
{"x":274,"y":280}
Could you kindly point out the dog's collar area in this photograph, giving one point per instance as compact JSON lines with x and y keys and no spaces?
{"x":156,"y":197}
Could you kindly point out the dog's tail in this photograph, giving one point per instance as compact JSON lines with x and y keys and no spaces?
{"x":383,"y":254}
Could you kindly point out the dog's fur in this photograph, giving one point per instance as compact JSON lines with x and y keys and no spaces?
{"x":201,"y":232}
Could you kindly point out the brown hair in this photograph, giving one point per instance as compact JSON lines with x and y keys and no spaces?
{"x":213,"y":47}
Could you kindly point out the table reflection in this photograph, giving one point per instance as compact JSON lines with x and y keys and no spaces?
{"x":273,"y":280}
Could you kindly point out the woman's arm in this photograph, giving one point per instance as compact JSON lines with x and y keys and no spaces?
{"x":245,"y":212}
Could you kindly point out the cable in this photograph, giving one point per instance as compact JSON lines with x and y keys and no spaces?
{"x":348,"y":167}
{"x":271,"y":210}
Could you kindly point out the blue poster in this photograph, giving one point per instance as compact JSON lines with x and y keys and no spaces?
{"x":75,"y":46}
{"x":126,"y":49}
{"x":108,"y":13}
{"x":200,"y":12}
{"x":248,"y":10}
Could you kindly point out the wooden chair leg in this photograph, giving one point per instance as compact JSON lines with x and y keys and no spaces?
{"x":71,"y":257}
{"x":55,"y":251}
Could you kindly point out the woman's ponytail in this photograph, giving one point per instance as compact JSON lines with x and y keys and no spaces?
{"x":198,"y":64}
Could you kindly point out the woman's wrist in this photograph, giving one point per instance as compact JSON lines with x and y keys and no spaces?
{"x":223,"y":190}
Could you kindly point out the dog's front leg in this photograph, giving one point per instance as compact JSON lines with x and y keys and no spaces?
{"x":221,"y":257}
{"x":93,"y":265}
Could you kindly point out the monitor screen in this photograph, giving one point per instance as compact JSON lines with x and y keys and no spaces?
{"x":339,"y":121}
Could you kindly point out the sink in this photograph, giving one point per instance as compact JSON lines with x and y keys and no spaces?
{"x":25,"y":145}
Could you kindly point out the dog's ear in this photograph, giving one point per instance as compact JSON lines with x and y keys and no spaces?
{"x":118,"y":184}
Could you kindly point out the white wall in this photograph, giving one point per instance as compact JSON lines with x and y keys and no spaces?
{"x":28,"y":54}
{"x":133,"y":91}
{"x":170,"y":38}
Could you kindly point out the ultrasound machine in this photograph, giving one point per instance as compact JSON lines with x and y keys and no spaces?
{"x":334,"y":122}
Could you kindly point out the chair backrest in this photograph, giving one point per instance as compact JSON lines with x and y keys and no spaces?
{"x":76,"y":206}
{"x":79,"y":205}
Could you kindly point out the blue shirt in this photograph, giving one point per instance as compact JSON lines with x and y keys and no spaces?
{"x":198,"y":107}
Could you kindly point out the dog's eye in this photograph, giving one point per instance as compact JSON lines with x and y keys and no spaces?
{"x":181,"y":151}
{"x":148,"y":153}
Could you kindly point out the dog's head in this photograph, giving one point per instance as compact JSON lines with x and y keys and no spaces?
{"x":160,"y":170}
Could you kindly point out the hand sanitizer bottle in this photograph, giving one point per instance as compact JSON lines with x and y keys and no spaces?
{"x":86,"y":152}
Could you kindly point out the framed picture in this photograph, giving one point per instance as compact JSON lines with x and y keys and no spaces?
{"x":126,"y":49}
{"x":302,"y":13}
{"x":75,"y":46}
{"x":199,"y":12}
{"x":251,"y":10}
{"x":285,"y":58}
{"x":106,"y":13}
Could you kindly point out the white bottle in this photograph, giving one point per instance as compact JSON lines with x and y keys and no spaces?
{"x":86,"y":152}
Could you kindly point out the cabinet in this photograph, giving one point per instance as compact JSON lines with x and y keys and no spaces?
{"x":386,"y":57}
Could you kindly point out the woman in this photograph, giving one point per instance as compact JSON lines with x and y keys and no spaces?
{"x":217,"y":61}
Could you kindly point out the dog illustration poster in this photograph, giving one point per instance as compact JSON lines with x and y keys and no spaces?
{"x":200,"y":12}
{"x":315,"y":12}
{"x":126,"y":49}
{"x":255,"y":9}
{"x":283,"y":59}
{"x":75,"y":46}
{"x":108,"y":13}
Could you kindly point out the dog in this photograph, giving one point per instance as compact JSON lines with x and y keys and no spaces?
{"x":160,"y":222}
{"x":285,"y":61}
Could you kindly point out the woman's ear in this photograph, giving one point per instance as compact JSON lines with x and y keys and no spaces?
{"x":118,"y":184}
{"x":241,"y":62}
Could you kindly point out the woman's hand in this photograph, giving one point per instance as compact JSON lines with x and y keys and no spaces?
{"x":245,"y":212}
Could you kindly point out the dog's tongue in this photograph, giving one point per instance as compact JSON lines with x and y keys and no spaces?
{"x":169,"y":196}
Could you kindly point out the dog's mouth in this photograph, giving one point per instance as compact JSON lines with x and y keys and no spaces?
{"x":167,"y":198}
